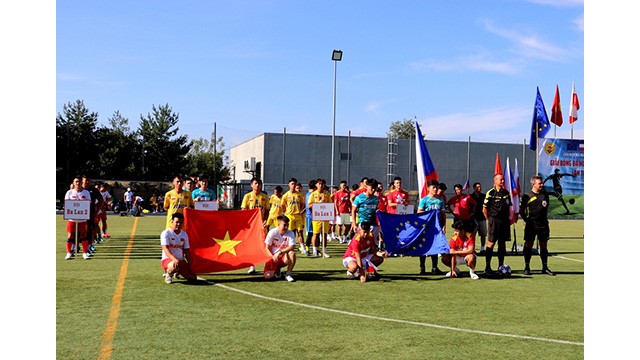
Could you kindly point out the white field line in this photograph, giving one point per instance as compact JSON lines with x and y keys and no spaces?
{"x":401,"y":321}
{"x":566,"y":258}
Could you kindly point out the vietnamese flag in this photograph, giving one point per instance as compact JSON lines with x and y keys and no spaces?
{"x":556,"y":111}
{"x":225,"y":240}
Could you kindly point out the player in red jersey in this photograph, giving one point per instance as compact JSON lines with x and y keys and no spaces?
{"x":362,"y":256}
{"x":462,"y":245}
{"x":397,"y":196}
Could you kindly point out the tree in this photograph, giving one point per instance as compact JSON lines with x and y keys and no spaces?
{"x":200,"y":159}
{"x":117,"y":148}
{"x":76,"y":145}
{"x":161,"y":152}
{"x":404,"y":129}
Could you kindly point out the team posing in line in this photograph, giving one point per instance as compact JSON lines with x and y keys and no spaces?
{"x":486,"y":215}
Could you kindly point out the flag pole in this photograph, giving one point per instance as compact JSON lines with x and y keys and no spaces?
{"x":468,"y":159}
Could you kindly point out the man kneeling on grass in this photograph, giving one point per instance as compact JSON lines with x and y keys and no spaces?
{"x":280,"y":242}
{"x":362,"y":256}
{"x":175,"y":251}
{"x":462,"y":251}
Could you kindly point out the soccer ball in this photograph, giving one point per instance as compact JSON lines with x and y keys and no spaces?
{"x":504,"y":270}
{"x":572,"y":201}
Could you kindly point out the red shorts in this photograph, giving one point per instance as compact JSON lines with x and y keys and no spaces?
{"x":82,"y":227}
{"x":183,"y":268}
{"x":275,"y":265}
{"x":101,"y":216}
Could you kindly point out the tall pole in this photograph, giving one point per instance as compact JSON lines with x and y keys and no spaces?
{"x":215,"y":155}
{"x":284,"y":145}
{"x":348,"y":158}
{"x":468,"y":160}
{"x":333,"y":134}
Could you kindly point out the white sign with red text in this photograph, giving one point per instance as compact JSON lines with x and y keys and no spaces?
{"x":77,"y":209}
{"x":206,"y":205}
{"x":404,"y":209}
{"x":322,"y":212}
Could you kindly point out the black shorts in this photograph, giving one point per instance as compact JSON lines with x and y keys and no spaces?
{"x":531,"y":231}
{"x":499,"y":230}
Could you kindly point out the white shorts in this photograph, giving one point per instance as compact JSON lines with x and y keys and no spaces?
{"x":343,"y":219}
{"x":460,"y":260}
{"x":365,"y":261}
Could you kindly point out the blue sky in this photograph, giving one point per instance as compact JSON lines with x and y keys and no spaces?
{"x":462,"y":69}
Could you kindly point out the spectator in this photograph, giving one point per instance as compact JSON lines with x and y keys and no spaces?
{"x":128,"y":199}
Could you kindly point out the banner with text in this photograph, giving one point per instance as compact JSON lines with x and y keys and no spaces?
{"x":561,"y":165}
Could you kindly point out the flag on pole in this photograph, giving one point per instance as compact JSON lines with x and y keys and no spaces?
{"x":225,"y":240}
{"x":222,"y":193}
{"x":575,"y":105}
{"x":426,"y":170}
{"x":517,"y":179}
{"x":509,"y":185}
{"x":466,"y":185}
{"x":413,"y":234}
{"x":498,"y":168}
{"x":540,"y":123}
{"x":556,"y":110}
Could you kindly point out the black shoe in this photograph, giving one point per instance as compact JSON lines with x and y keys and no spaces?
{"x":527,"y":271}
{"x":422,"y":271}
{"x":548,"y":272}
{"x":488,"y":271}
{"x":436,"y":271}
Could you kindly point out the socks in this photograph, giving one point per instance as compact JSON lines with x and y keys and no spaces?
{"x":488,"y":256}
{"x":544,"y":254}
{"x":69,"y":245}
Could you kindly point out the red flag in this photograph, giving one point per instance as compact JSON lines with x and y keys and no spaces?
{"x":498,"y":168}
{"x":556,"y":111}
{"x":225,"y":240}
{"x":575,"y":105}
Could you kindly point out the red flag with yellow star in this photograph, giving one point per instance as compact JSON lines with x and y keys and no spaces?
{"x":225,"y":240}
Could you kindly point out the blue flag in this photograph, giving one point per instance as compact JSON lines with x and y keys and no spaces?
{"x":540,"y":122}
{"x":413,"y":234}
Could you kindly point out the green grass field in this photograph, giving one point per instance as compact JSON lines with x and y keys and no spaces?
{"x":118,"y":306}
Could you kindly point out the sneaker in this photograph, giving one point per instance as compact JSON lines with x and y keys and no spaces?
{"x":474,"y":276}
{"x":69,"y":256}
{"x":86,"y":256}
{"x":92,"y":248}
{"x":252,"y":270}
{"x":325,"y":255}
{"x":106,"y":235}
{"x":350,"y":275}
{"x":315,"y":254}
{"x":548,"y":272}
{"x":167,"y":278}
{"x":527,"y":271}
{"x":488,"y":271}
{"x":289,"y":278}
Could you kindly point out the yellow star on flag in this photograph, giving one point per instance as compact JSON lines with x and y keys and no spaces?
{"x":227,"y":245}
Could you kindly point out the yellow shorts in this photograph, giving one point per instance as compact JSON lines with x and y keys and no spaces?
{"x":320,"y":227}
{"x":296,"y":222}
{"x":272,"y":222}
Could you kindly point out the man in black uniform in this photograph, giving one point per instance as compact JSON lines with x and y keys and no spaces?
{"x":496,"y":210}
{"x":480,"y":227}
{"x":96,"y":203}
{"x":533,"y":210}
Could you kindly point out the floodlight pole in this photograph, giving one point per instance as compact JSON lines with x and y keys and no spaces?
{"x":336,"y":56}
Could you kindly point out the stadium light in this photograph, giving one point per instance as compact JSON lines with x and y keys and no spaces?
{"x":335,"y":56}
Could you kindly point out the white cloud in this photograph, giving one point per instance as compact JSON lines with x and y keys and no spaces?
{"x":559,"y":3}
{"x":480,"y":62}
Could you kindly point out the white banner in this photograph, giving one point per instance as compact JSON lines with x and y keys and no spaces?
{"x":77,"y":209}
{"x":322,"y":212}
{"x":206,"y":205}
{"x":404,"y":209}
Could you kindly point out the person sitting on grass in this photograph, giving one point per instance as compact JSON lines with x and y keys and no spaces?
{"x":280,"y":242}
{"x":362,"y":256}
{"x":175,"y":251}
{"x":462,"y":251}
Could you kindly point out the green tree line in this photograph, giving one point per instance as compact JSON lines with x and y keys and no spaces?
{"x":155,"y":151}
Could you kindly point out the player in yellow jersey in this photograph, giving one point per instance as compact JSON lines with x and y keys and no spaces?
{"x":256,"y":199}
{"x":320,"y":195}
{"x":274,"y":207}
{"x":177,"y":199}
{"x":293,"y":206}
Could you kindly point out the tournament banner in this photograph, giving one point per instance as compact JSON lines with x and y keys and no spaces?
{"x":561,"y":165}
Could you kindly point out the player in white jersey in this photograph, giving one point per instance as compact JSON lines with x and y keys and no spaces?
{"x":175,"y":250}
{"x":77,"y":192}
{"x":281,"y":242}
